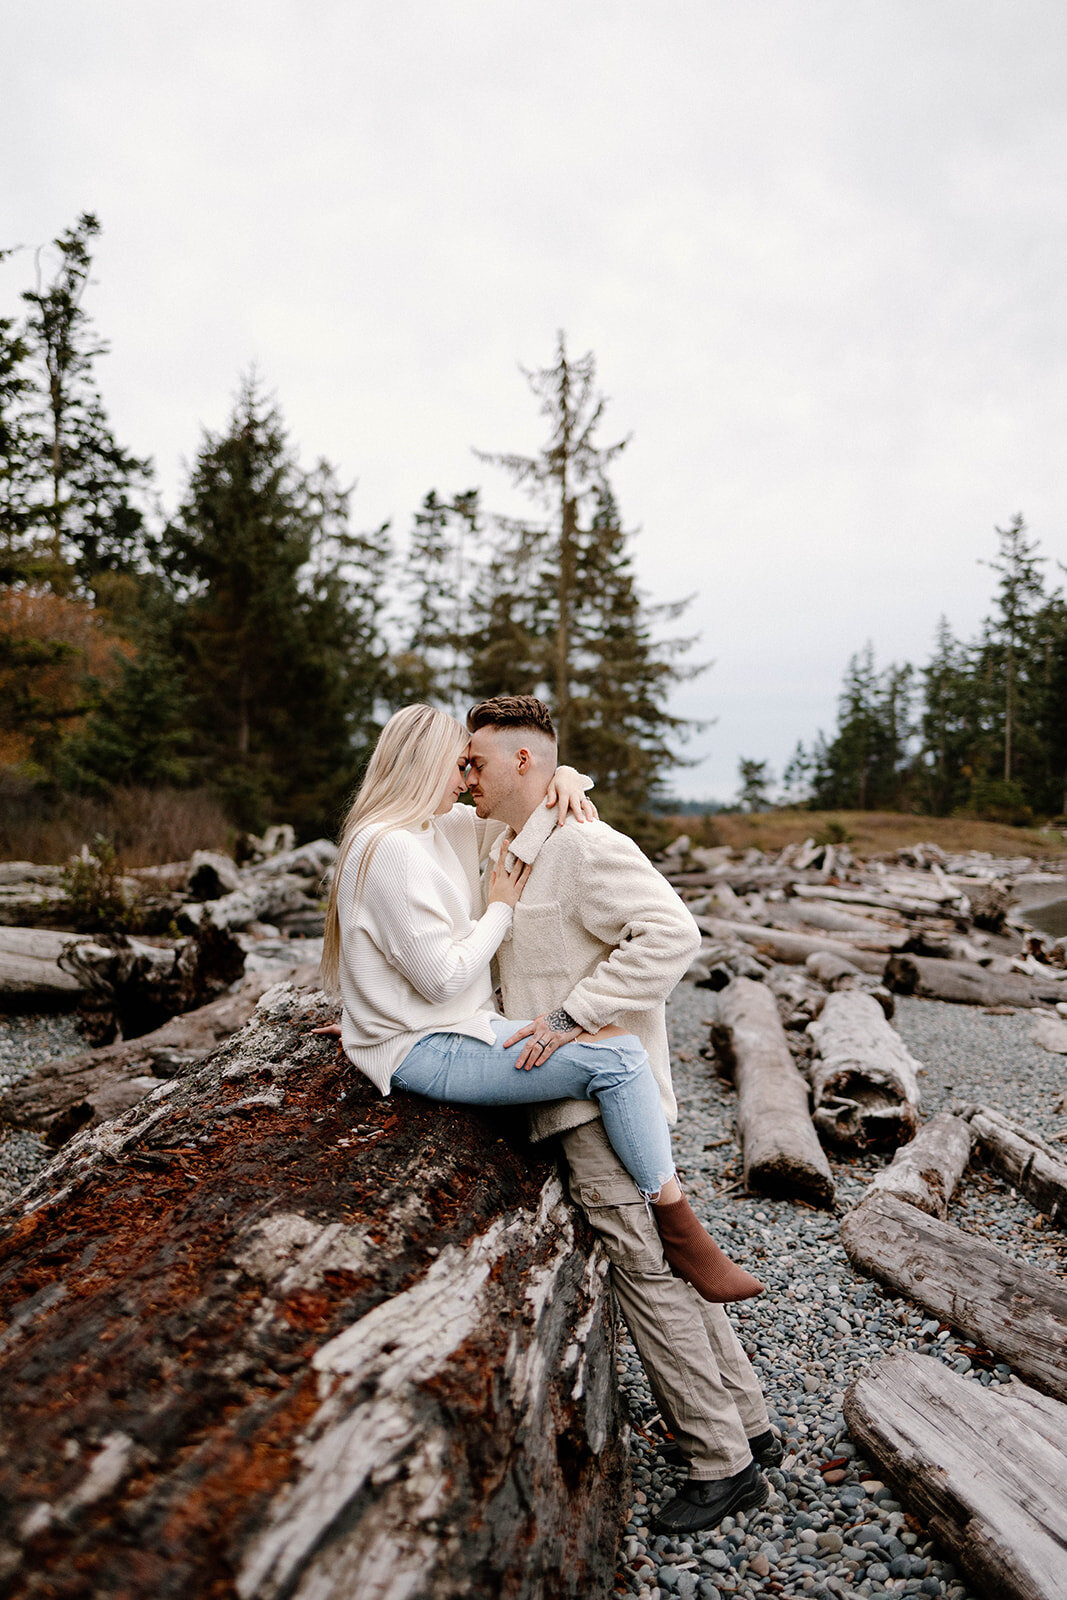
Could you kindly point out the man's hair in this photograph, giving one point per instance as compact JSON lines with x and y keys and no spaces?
{"x":511,"y":711}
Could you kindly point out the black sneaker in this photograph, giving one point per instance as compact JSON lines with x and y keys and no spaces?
{"x":766,"y":1450}
{"x":702,"y":1504}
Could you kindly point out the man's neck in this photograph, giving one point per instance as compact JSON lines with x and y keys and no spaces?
{"x":521,"y":808}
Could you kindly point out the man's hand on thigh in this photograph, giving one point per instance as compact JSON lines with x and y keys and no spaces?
{"x":545,"y":1035}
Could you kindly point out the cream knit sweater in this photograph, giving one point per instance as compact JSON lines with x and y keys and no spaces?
{"x":414,"y":960}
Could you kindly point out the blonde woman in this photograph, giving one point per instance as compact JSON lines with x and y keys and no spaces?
{"x":409,"y":949}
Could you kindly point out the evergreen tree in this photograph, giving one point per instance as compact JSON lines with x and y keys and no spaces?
{"x":16,"y":516}
{"x":558,"y":611}
{"x":441,"y":574}
{"x":1009,"y":632}
{"x":85,"y":485}
{"x":279,"y":627}
{"x":864,"y":766}
{"x":755,"y":780}
{"x":950,"y":724}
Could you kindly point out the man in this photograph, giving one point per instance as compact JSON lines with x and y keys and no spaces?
{"x":599,"y":937}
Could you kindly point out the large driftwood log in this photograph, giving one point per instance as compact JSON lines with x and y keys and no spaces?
{"x":795,"y":948}
{"x":30,"y":974}
{"x":984,"y":1469}
{"x":271,"y":1335}
{"x":926,"y":1171}
{"x":782,"y":1154}
{"x":64,"y":1096}
{"x":1006,"y":1305}
{"x":865,"y":1088}
{"x":934,"y":979}
{"x":1024,"y":1158}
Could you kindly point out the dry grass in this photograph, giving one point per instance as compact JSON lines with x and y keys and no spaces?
{"x":146,"y":826}
{"x":870,"y":832}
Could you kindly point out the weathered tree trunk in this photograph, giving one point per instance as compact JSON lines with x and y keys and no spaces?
{"x":135,"y":987}
{"x":795,"y":948}
{"x":64,"y":1096}
{"x":984,"y":1469}
{"x":260,"y":899}
{"x":1006,"y":1305}
{"x":782,"y":1154}
{"x":30,"y":974}
{"x":934,"y":979}
{"x":270,"y":1334}
{"x":1025,"y":1160}
{"x":864,"y":1082}
{"x":926,"y":1171}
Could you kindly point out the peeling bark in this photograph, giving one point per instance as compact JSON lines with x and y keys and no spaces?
{"x":270,"y":1334}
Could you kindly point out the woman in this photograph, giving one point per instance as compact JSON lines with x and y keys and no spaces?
{"x":411,"y":957}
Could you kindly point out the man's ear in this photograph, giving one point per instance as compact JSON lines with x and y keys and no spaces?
{"x":523,"y":759}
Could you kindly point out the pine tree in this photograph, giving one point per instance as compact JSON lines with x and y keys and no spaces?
{"x":278,"y":628}
{"x":1008,"y":632}
{"x":559,"y":613}
{"x":755,"y":779}
{"x":85,"y":485}
{"x":441,"y":574}
{"x":865,"y":764}
{"x":16,"y":515}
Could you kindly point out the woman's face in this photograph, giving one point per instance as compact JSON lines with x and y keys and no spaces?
{"x":453,"y":784}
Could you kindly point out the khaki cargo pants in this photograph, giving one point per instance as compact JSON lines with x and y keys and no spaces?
{"x":700,"y":1377}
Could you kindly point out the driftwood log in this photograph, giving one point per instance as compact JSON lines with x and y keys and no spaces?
{"x":1024,"y":1158}
{"x":782,"y":1154}
{"x":984,"y":1469}
{"x":1004,"y":1304}
{"x":926,"y":1171}
{"x":961,"y":981}
{"x":795,"y":948}
{"x":30,"y":974}
{"x":75,"y":1092}
{"x":270,"y":1334}
{"x":865,"y":1086}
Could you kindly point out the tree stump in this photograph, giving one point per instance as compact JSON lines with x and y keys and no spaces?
{"x":782,"y":1154}
{"x":1010,"y":1307}
{"x":984,"y":1469}
{"x":271,"y":1334}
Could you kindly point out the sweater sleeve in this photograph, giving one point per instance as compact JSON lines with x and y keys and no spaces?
{"x":415,"y":933}
{"x":464,"y":820}
{"x":625,"y":903}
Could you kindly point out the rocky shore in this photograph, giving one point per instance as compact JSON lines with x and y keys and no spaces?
{"x":831,"y":1528}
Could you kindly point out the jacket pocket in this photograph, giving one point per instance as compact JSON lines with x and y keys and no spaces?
{"x":537,"y":930}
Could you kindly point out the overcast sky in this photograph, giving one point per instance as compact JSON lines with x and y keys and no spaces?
{"x":818,"y":248}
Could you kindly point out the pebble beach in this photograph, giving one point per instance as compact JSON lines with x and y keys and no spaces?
{"x":831,"y":1526}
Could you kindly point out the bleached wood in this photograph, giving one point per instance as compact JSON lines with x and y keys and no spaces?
{"x":1025,"y":1159}
{"x":864,"y":1082}
{"x":983,"y":1468}
{"x":1003,"y":1303}
{"x":794,"y":948}
{"x":782,"y":1154}
{"x":926,"y":1172}
{"x":966,"y":984}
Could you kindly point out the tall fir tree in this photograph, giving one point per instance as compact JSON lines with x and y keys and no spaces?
{"x":85,"y":502}
{"x":441,"y":573}
{"x":278,"y":628}
{"x":559,"y":612}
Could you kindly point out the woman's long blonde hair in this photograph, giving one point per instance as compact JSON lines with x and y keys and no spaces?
{"x":416,"y":749}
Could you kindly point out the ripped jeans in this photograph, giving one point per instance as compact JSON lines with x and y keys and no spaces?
{"x":615,"y":1073}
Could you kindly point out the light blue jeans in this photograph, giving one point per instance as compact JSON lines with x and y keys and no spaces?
{"x":616,"y":1074}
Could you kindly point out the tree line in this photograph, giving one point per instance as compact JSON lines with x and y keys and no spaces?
{"x":251,"y":639}
{"x":980,"y":729}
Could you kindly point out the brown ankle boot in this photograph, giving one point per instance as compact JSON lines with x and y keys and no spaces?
{"x":692,"y":1254}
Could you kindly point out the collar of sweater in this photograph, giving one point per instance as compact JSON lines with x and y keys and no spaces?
{"x":535,"y":832}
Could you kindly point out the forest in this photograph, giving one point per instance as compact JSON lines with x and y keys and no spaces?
{"x":230,"y":659}
{"x":241,"y":649}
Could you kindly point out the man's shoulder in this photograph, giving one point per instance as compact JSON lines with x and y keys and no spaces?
{"x":598,"y":840}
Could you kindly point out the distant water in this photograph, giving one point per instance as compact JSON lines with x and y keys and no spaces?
{"x":1050,"y":919}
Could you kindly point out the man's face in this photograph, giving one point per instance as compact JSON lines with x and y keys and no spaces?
{"x":492,"y":774}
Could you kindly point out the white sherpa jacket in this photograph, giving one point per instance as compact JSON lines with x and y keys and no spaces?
{"x":599,"y":931}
